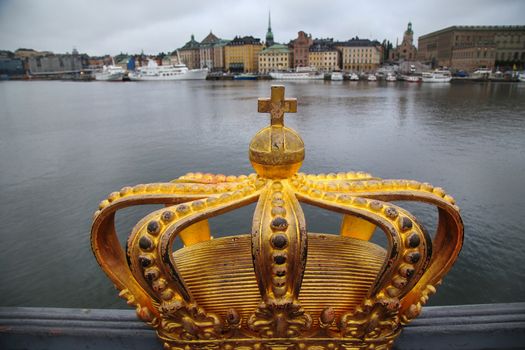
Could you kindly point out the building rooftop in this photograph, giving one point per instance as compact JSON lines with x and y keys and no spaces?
{"x":245,"y":40}
{"x":192,"y":44}
{"x":323,"y":45}
{"x":475,"y":28}
{"x":210,"y":40}
{"x":358,"y":42}
{"x":276,"y":48}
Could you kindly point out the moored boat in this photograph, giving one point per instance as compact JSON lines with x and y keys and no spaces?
{"x":371,"y":77}
{"x":336,"y":76}
{"x":354,"y":77}
{"x":301,"y":73}
{"x":480,"y":74}
{"x":437,"y":76}
{"x":391,"y":77}
{"x":245,"y":76}
{"x":170,"y":72}
{"x":412,"y":78}
{"x":110,"y":73}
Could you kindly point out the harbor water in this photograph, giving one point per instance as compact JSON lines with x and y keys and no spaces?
{"x":64,"y":146}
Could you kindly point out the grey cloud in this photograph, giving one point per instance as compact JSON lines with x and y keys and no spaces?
{"x":99,"y":27}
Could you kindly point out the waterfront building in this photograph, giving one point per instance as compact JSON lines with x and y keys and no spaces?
{"x":275,"y":58}
{"x":218,"y":55}
{"x":190,"y":54}
{"x":360,"y":54}
{"x":301,"y":46}
{"x":96,"y":62}
{"x":241,"y":54}
{"x":324,"y":56}
{"x":472,"y":47}
{"x":269,"y":34}
{"x":206,"y":51}
{"x":406,"y":51}
{"x":50,"y":63}
{"x":10,"y":65}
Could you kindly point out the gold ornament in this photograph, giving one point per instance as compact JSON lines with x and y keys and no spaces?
{"x":280,"y":287}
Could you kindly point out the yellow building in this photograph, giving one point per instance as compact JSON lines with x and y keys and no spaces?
{"x":275,"y":58}
{"x":241,"y":55}
{"x":324,"y":56}
{"x":361,"y":55}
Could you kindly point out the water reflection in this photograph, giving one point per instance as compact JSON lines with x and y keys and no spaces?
{"x":65,"y":146}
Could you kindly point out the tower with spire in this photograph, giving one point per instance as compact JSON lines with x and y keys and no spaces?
{"x":269,"y":34}
{"x":406,"y":51}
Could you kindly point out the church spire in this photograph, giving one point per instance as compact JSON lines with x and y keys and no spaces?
{"x":269,"y":34}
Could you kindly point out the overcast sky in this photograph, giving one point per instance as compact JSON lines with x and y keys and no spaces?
{"x":97,"y":27}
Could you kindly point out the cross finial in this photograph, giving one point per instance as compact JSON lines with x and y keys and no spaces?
{"x":277,"y":105}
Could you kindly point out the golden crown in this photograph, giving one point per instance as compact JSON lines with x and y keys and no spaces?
{"x":280,"y":287}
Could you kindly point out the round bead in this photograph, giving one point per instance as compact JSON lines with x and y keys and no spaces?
{"x":406,"y":271}
{"x":279,"y":241}
{"x":197,"y":205}
{"x":151,"y":273}
{"x":167,"y":216}
{"x":405,"y":223}
{"x":278,"y":211}
{"x":145,"y":243}
{"x":182,"y":209}
{"x":279,"y":224}
{"x":153,"y":227}
{"x":159,"y":285}
{"x":391,"y":212}
{"x":360,"y":201}
{"x":376,"y":205}
{"x":399,"y":282}
{"x":277,"y":195}
{"x":413,"y":257}
{"x":126,"y":190}
{"x":413,"y":240}
{"x":145,"y":260}
{"x":344,"y":198}
{"x":279,"y":259}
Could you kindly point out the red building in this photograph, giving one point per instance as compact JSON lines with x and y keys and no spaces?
{"x":301,"y":47}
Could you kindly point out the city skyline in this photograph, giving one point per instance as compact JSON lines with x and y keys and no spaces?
{"x":121,"y":27}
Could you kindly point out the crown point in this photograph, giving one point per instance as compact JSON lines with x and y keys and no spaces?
{"x":276,"y":151}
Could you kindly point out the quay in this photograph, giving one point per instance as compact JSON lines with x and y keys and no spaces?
{"x":465,"y":327}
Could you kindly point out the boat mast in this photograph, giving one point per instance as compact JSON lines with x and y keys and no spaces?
{"x":178,"y":57}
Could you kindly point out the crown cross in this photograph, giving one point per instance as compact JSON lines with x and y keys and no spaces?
{"x":277,"y":105}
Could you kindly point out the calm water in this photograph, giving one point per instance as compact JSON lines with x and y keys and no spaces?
{"x":64,"y":146}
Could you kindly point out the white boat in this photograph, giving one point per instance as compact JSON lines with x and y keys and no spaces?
{"x":371,"y":77}
{"x":110,"y":73}
{"x":437,"y":76}
{"x":521,"y":76}
{"x":412,"y":78}
{"x":481,"y":74}
{"x":391,"y":77}
{"x":170,"y":72}
{"x":301,"y":73}
{"x":336,"y":76}
{"x":354,"y":77}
